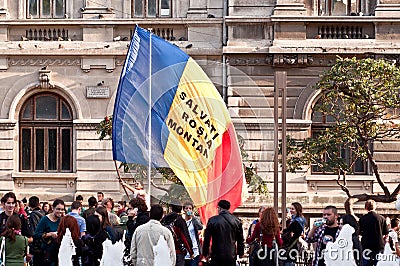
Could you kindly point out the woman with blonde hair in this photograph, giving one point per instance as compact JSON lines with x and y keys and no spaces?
{"x":267,"y":233}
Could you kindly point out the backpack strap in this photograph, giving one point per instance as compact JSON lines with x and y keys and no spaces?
{"x":3,"y":250}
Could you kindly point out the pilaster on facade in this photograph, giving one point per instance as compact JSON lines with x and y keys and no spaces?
{"x":387,"y":8}
{"x":3,"y":9}
{"x":290,"y":8}
{"x":197,"y":9}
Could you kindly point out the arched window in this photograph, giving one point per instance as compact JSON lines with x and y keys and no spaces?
{"x":320,"y":121}
{"x":45,"y":134}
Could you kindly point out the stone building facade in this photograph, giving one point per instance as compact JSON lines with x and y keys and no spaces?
{"x":60,"y":62}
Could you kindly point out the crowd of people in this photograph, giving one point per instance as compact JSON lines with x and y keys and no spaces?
{"x":32,"y":232}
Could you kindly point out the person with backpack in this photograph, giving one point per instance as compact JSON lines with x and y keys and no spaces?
{"x":177,"y":225}
{"x":34,"y":217}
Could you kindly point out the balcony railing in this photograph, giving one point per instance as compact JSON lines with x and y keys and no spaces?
{"x":340,"y":31}
{"x":170,"y":33}
{"x":79,"y":30}
{"x":34,"y":34}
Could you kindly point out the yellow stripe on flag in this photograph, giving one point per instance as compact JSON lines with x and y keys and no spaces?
{"x":197,"y":120}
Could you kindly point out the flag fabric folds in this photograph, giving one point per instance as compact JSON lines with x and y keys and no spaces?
{"x":188,"y":129}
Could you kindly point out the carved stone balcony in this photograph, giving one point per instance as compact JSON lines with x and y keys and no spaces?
{"x":340,"y":31}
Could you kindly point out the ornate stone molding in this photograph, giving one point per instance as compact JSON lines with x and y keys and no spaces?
{"x":275,"y":60}
{"x":86,"y":126}
{"x":45,"y":78}
{"x":43,"y":62}
{"x":300,"y":60}
{"x":7,"y":126}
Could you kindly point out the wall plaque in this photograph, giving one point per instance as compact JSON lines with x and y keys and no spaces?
{"x":97,"y":92}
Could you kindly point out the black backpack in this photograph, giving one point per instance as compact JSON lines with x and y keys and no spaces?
{"x":33,"y":220}
{"x":178,"y":242}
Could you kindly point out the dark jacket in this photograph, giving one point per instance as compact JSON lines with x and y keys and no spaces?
{"x":132,"y":224}
{"x":226,"y":233}
{"x":33,"y":220}
{"x":180,"y":229}
{"x":197,"y":227}
{"x":372,"y":229}
{"x":290,"y":238}
{"x":24,"y":223}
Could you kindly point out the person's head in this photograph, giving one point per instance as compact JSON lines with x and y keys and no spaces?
{"x":156,"y":212}
{"x":9,"y":200}
{"x":18,"y":206}
{"x":13,"y":224}
{"x":138,"y":203}
{"x":72,"y":224}
{"x":176,"y":207}
{"x":92,"y":201}
{"x":223,"y":205}
{"x":79,"y":198}
{"x":370,"y":205}
{"x":137,"y":185}
{"x":330,"y":213}
{"x":101,"y":212}
{"x":296,"y":209}
{"x":394,"y":224}
{"x":58,"y":208}
{"x":100,"y":196}
{"x":21,"y":203}
{"x":121,"y":206}
{"x":33,"y":202}
{"x":108,"y":204}
{"x":350,"y":220}
{"x":269,"y":221}
{"x":93,"y":225}
{"x":188,"y":207}
{"x":76,"y":206}
{"x":46,"y":207}
{"x":260,"y":211}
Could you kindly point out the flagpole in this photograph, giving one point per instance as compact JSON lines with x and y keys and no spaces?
{"x":150,"y":107}
{"x":120,"y":179}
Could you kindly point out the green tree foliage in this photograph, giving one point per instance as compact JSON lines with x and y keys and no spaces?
{"x":362,"y":97}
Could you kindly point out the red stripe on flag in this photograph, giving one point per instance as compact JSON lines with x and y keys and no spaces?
{"x":225,"y":179}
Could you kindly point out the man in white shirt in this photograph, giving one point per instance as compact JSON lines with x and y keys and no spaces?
{"x":194,"y":226}
{"x":393,"y":236}
{"x":146,"y":238}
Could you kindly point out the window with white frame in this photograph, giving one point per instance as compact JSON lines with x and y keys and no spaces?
{"x":45,"y":8}
{"x":151,"y":8}
{"x":346,"y":7}
{"x":45,"y":126}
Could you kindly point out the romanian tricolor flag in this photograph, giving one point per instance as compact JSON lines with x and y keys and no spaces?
{"x":187,"y":128}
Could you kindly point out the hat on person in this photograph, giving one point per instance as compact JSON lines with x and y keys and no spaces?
{"x":224,"y":204}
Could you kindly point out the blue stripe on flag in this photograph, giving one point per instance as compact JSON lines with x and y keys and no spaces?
{"x":130,"y":119}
